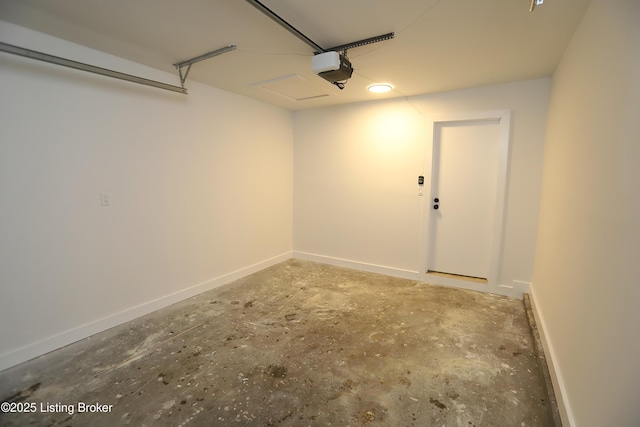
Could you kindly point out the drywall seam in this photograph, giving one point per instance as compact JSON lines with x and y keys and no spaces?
{"x":357,"y":265}
{"x":38,"y":348}
{"x":556,"y":377}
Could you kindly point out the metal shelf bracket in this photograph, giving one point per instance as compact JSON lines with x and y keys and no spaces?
{"x":189,"y":62}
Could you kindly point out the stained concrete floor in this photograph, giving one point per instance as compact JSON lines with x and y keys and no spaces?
{"x":298,"y":344}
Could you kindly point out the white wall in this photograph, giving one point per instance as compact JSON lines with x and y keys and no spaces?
{"x":355,"y":177}
{"x":200,"y":187}
{"x":587,"y":269}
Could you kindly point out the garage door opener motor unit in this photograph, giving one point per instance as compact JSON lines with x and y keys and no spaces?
{"x":333,"y":67}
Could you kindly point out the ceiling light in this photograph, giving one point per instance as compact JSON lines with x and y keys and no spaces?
{"x":380,"y":87}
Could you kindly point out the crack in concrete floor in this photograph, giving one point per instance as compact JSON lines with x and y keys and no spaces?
{"x":298,"y":344}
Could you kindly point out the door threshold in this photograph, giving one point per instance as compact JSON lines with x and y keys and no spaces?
{"x":459,"y":277}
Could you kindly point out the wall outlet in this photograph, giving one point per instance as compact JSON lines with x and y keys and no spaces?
{"x":105,"y":199}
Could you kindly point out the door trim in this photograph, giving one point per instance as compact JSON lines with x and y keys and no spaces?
{"x":503,"y":117}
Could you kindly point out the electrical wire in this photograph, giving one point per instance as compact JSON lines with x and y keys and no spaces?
{"x":422,"y":15}
{"x":340,"y":84}
{"x":403,"y":29}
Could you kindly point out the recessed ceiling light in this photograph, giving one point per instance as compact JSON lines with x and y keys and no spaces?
{"x":380,"y":87}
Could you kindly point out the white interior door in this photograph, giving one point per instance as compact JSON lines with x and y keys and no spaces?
{"x":464,"y":182}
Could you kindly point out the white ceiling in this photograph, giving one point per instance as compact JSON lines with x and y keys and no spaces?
{"x":439,"y":45}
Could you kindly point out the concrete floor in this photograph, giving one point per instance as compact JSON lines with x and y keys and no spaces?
{"x":298,"y":344}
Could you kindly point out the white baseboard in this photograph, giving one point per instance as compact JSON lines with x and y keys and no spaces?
{"x":38,"y":348}
{"x":521,"y":286}
{"x":517,"y":289}
{"x":556,"y":377}
{"x":356,"y":265}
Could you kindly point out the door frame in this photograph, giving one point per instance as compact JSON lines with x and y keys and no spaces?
{"x":503,"y":117}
